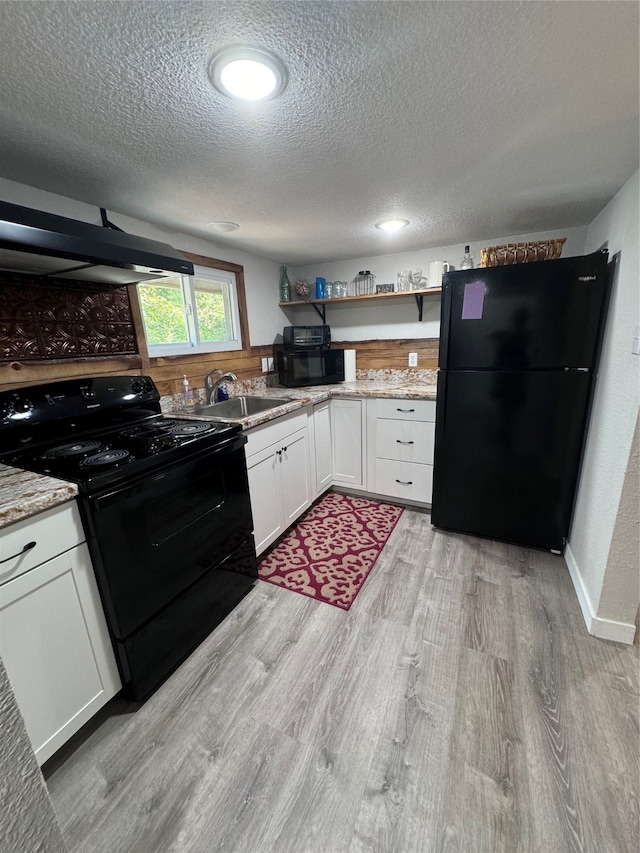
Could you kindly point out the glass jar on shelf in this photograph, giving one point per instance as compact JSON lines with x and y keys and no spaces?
{"x":365,"y":283}
{"x":285,"y":285}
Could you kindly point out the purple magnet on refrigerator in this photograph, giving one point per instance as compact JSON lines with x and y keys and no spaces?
{"x":473,"y":301}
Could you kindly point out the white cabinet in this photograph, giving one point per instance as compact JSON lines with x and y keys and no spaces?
{"x":322,"y":446}
{"x":279,"y":476}
{"x":348,"y":441}
{"x":400,"y":458}
{"x":53,"y":636}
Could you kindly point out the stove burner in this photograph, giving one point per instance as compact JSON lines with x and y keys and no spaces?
{"x":64,"y":451}
{"x":106,"y":457}
{"x":192,"y":429}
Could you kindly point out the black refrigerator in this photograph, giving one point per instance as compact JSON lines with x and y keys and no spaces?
{"x":518,"y":351}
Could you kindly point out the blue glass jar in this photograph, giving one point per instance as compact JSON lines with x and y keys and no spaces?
{"x":320,"y":283}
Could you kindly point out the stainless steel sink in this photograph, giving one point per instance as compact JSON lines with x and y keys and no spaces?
{"x":241,"y":407}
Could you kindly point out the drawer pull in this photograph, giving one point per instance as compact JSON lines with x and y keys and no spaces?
{"x":405,"y":482}
{"x":403,"y":442}
{"x":26,"y":548}
{"x":405,"y":411}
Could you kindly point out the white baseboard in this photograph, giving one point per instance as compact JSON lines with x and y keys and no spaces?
{"x":605,"y":629}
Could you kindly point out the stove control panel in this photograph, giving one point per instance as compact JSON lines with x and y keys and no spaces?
{"x":73,"y":400}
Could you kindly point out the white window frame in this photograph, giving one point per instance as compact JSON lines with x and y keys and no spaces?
{"x":231,"y":309}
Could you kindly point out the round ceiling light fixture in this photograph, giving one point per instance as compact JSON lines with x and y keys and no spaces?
{"x":248,"y":73}
{"x":391,"y":225}
{"x":222,"y":226}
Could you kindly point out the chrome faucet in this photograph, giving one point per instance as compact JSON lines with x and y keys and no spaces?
{"x":212,"y":387}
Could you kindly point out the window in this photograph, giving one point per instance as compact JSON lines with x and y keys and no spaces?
{"x":186,"y":314}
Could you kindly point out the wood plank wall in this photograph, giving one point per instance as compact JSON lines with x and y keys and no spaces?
{"x":167,"y":372}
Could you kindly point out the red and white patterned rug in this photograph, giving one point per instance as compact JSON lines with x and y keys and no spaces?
{"x":332,"y":549}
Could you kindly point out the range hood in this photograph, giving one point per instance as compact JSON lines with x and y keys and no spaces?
{"x":43,"y":244}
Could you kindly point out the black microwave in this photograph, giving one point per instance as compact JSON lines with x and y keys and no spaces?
{"x":310,"y":367}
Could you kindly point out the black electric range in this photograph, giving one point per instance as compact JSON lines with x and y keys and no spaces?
{"x":164,"y":503}
{"x":98,"y":431}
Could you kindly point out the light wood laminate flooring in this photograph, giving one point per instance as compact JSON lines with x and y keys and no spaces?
{"x":458,"y":706}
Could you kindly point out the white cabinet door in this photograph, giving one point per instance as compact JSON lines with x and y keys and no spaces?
{"x":279,"y":485}
{"x":294,"y":477}
{"x":322,"y":446}
{"x":264,"y":489}
{"x":347,"y":441}
{"x":56,"y":648}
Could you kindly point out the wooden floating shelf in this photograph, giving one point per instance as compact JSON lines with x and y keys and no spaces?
{"x":418,"y":294}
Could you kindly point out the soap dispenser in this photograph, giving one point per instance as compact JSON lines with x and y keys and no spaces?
{"x":187,"y":393}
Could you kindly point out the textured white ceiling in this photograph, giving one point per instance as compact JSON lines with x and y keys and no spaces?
{"x":470,"y":119}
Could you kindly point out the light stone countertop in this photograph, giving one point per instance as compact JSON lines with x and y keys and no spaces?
{"x":23,"y":493}
{"x":299,"y":397}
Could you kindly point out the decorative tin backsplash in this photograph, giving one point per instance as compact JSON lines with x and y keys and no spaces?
{"x":48,"y":322}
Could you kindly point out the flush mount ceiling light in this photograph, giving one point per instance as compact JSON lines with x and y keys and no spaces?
{"x":223,"y":226}
{"x":391,"y":225}
{"x":248,"y":73}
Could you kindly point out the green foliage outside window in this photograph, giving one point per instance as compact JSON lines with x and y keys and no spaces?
{"x":211,"y":320}
{"x":163,"y":314}
{"x":184,"y":312}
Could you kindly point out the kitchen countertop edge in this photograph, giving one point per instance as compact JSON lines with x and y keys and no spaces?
{"x":23,"y":494}
{"x":311,"y":395}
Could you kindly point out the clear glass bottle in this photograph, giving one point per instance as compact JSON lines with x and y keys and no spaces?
{"x":467,"y":261}
{"x":285,"y":285}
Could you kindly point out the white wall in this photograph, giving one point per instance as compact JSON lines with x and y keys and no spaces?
{"x":399,"y":318}
{"x":261,"y":275}
{"x":594,"y":564}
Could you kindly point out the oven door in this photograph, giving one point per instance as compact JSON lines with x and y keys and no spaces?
{"x":154,"y":537}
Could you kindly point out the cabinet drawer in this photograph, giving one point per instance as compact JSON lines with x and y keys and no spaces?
{"x":406,"y":441}
{"x":53,"y":531}
{"x":276,"y":430}
{"x":409,"y":410}
{"x":407,"y":480}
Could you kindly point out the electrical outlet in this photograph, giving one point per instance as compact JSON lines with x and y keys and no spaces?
{"x":265,"y":365}
{"x":413,"y":359}
{"x":635,"y":344}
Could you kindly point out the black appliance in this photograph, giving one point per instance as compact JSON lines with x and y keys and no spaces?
{"x":304,"y":357}
{"x":518,"y":352}
{"x":164,"y":503}
{"x":310,"y":367}
{"x":306,"y":337}
{"x":44,"y":244}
